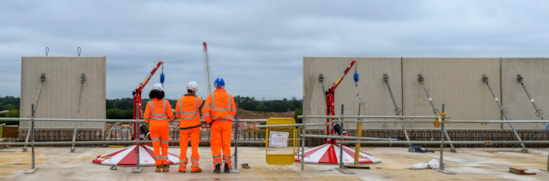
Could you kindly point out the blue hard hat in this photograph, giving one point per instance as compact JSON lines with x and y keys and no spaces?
{"x":219,"y":82}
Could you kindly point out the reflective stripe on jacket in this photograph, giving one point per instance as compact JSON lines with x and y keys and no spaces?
{"x":187,"y":110}
{"x":219,"y":105}
{"x":158,"y":112}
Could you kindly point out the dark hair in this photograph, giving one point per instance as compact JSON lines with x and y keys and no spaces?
{"x":156,"y":94}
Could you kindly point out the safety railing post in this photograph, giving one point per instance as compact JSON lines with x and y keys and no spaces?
{"x":302,"y":155}
{"x":341,"y":167}
{"x":235,"y":165}
{"x":341,"y":138}
{"x":137,"y":169}
{"x":441,"y":164}
{"x":359,"y":134}
{"x":33,"y":166}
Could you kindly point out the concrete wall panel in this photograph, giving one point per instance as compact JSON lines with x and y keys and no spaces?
{"x":535,"y":73}
{"x":61,"y":90}
{"x":371,"y":87}
{"x":455,"y":82}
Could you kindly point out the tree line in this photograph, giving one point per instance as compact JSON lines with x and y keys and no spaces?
{"x":122,"y":108}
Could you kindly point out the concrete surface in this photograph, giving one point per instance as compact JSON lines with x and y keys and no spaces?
{"x":58,"y":163}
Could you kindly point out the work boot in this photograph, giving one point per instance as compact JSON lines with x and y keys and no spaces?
{"x":165,"y":168}
{"x":196,"y":171}
{"x":217,"y":168}
{"x":158,"y":168}
{"x":227,"y":169}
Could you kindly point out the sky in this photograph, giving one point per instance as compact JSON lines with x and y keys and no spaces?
{"x":258,"y":46}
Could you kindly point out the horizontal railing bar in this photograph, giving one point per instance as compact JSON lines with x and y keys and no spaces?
{"x":103,"y":120}
{"x":368,"y":117}
{"x":446,"y":142}
{"x":345,"y":137}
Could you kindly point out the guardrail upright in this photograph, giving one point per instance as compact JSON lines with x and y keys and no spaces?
{"x":235,"y":165}
{"x":33,"y":167}
{"x":138,"y":168}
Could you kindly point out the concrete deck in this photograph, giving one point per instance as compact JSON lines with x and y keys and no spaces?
{"x":58,"y":163}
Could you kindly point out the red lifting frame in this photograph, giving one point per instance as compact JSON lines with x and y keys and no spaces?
{"x":137,"y":98}
{"x":330,"y":98}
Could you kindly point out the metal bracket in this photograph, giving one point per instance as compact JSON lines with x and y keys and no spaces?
{"x":321,"y":78}
{"x":345,"y":171}
{"x":31,"y":171}
{"x":519,"y":78}
{"x":137,"y":170}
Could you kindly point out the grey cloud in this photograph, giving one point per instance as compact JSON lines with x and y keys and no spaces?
{"x":258,"y":46}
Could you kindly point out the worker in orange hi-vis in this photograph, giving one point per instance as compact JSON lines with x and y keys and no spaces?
{"x":219,"y":110}
{"x":187,"y":110}
{"x":158,"y":114}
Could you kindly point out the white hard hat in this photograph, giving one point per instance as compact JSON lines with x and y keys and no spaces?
{"x":158,"y":86}
{"x":192,"y":86}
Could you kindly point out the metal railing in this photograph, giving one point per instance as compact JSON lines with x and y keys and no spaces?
{"x":140,"y":139}
{"x":400,"y":119}
{"x":301,"y":126}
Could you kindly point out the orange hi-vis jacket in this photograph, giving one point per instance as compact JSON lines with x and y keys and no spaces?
{"x":187,"y":110}
{"x":219,"y":106}
{"x":158,"y":112}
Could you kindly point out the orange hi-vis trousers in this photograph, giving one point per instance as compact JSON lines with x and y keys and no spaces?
{"x":221,"y":140}
{"x":160,"y":137}
{"x":184,"y":135}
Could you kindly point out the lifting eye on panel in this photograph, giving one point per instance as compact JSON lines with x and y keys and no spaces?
{"x":321,"y":78}
{"x":484,"y":78}
{"x":519,"y":78}
{"x":420,"y":77}
{"x":385,"y":77}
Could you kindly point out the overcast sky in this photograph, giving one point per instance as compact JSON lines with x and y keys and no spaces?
{"x":258,"y":46}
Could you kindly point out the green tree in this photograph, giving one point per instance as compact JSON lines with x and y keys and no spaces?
{"x":11,"y":104}
{"x":115,"y":113}
{"x":298,"y":111}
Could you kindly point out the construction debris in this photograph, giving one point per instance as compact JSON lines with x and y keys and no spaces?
{"x":520,"y":171}
{"x":358,"y":166}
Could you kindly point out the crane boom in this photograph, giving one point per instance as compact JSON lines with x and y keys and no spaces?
{"x":207,"y":67}
{"x":342,"y":76}
{"x":330,"y":97}
{"x":144,"y":83}
{"x":137,"y":107}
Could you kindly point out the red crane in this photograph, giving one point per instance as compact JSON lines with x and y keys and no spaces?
{"x":329,"y":153}
{"x":330,"y":97}
{"x":137,"y":102}
{"x":128,"y":155}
